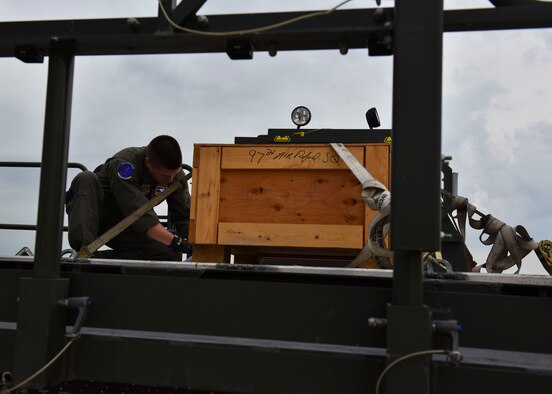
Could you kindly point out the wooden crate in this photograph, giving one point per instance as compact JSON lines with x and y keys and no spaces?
{"x":280,"y":196}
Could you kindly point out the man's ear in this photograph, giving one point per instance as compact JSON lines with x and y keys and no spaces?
{"x":148,"y":162}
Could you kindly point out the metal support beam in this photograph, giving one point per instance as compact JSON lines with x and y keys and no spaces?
{"x":40,"y":322}
{"x":187,"y":9}
{"x":40,"y":330}
{"x":55,"y":150}
{"x":416,"y":214}
{"x":417,"y":96}
{"x":142,"y":35}
{"x":408,"y":332}
{"x":162,"y":23}
{"x":294,"y":329}
{"x":409,"y":272}
{"x":356,"y":27}
{"x":534,"y":15}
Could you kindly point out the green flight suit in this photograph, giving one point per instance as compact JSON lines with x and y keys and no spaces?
{"x":96,"y":201}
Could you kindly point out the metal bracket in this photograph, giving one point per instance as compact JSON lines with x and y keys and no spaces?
{"x":80,"y":303}
{"x":451,"y":329}
{"x":447,"y":328}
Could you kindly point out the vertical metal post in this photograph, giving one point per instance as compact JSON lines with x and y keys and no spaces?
{"x":416,"y":177}
{"x":53,"y":175}
{"x":417,"y":96}
{"x":162,"y":23}
{"x":409,"y":273}
{"x":40,"y":321}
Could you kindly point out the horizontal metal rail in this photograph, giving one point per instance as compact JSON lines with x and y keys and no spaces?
{"x":28,"y":164}
{"x":356,"y":28}
{"x":24,"y":164}
{"x":25,"y":227}
{"x":197,"y":346}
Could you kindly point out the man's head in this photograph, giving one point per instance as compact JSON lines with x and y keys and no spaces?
{"x":163,"y":158}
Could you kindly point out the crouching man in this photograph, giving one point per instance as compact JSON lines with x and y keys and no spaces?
{"x":96,"y":201}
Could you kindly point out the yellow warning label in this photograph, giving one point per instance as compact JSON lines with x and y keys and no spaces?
{"x":387,"y":140}
{"x":282,"y":138}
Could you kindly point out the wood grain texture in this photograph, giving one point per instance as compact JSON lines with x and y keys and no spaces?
{"x":377,"y":162}
{"x":207,"y":195}
{"x":294,"y":235}
{"x":193,"y":201}
{"x":296,"y":196}
{"x":191,"y":231}
{"x":281,"y":157}
{"x":290,"y":196}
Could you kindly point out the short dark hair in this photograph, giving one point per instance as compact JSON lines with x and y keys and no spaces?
{"x":164,"y":151}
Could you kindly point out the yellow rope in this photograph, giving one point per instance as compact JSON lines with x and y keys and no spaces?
{"x":44,"y":368}
{"x":247,"y":31}
{"x":406,"y":357}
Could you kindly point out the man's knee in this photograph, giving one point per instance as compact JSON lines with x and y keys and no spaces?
{"x":84,"y":182}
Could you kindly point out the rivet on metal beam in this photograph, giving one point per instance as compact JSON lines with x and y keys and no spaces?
{"x":202,"y":20}
{"x":134,"y":24}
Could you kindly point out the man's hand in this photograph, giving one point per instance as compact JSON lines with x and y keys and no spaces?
{"x":180,"y":244}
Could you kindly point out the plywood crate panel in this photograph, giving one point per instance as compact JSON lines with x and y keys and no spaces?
{"x":300,"y":196}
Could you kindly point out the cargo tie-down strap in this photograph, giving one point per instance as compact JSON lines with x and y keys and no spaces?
{"x":378,"y":198}
{"x":89,"y":250}
{"x":510,"y":244}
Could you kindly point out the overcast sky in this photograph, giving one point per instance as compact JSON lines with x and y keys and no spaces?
{"x":497,"y":100}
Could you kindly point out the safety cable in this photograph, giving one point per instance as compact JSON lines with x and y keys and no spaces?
{"x":44,"y":368}
{"x":406,"y":357}
{"x":248,"y":31}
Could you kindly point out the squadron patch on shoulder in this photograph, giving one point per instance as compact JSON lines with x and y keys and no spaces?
{"x":125,"y":170}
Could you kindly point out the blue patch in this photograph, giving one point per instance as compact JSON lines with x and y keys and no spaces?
{"x":159,"y":190}
{"x":125,"y":170}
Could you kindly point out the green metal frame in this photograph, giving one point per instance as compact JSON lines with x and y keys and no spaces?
{"x":219,"y":316}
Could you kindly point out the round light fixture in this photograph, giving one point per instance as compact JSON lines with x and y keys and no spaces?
{"x":301,"y":116}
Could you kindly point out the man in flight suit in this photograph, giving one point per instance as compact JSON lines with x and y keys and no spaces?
{"x":96,"y":201}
